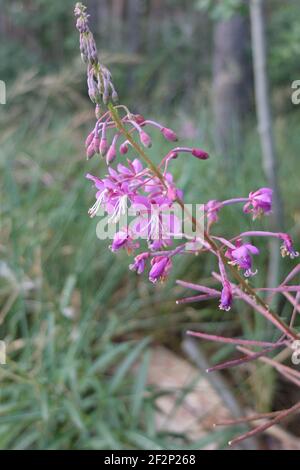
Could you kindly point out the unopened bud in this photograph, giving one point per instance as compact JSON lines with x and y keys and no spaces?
{"x":139,"y":119}
{"x":98,"y":111}
{"x":90,"y":152}
{"x":169,"y":134}
{"x":96,"y":143}
{"x":114,"y":96}
{"x":172,"y":155}
{"x":199,"y":153}
{"x":103,"y":146}
{"x":89,"y":139}
{"x":145,"y":139}
{"x":123,"y":148}
{"x":111,"y":154}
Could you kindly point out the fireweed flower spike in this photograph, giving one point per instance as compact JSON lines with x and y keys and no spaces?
{"x":138,"y":184}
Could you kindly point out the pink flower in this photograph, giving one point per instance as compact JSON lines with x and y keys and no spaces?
{"x":260,"y":202}
{"x":155,"y":219}
{"x":226,"y":297}
{"x":161,"y":266}
{"x":241,"y":256}
{"x":287,"y":249}
{"x":139,"y":262}
{"x":122,"y":239}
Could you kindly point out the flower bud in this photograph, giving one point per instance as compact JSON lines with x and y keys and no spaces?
{"x":199,"y":153}
{"x":89,"y":139}
{"x":103,"y":147}
{"x":114,"y":96}
{"x":90,"y":152}
{"x":98,"y":111}
{"x":139,"y":119}
{"x":96,"y":143}
{"x":124,"y":148}
{"x":172,"y":155}
{"x":145,"y":139}
{"x":111,"y":154}
{"x":169,"y":134}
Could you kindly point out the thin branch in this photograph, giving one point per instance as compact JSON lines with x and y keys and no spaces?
{"x":282,"y":415}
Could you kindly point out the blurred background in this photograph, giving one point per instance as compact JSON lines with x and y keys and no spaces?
{"x":95,"y":355}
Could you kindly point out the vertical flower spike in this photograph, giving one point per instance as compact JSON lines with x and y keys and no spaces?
{"x":99,"y":79}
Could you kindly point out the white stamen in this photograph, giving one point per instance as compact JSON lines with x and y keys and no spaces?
{"x":119,"y":209}
{"x":94,"y":209}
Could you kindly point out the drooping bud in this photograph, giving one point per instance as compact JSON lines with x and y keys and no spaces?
{"x":169,"y":134}
{"x":103,"y":147}
{"x":145,"y":139}
{"x":111,"y":154}
{"x":123,"y":148}
{"x":89,"y":139}
{"x":199,"y":153}
{"x":90,"y":152}
{"x":139,"y":119}
{"x":96,"y":143}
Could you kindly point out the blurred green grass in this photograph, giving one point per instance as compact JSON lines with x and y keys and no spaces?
{"x":74,"y":318}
